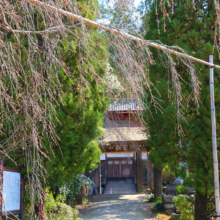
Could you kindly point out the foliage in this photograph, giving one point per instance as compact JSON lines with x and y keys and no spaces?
{"x":85,"y":200}
{"x":81,"y":113}
{"x":172,"y":140}
{"x":159,"y":199}
{"x":59,"y":113}
{"x":159,"y":204}
{"x":58,"y":210}
{"x":181,"y":189}
{"x":152,"y":199}
{"x":186,"y":207}
{"x":74,"y":187}
{"x":211,"y":206}
{"x":121,"y":14}
{"x":62,"y":212}
{"x":55,"y":209}
{"x":51,"y":88}
{"x":167,"y":174}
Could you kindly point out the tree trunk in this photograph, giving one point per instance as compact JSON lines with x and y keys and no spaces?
{"x":80,"y":197}
{"x":201,"y":201}
{"x":157,"y":182}
{"x":40,"y":208}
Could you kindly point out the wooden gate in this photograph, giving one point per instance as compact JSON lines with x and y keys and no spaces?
{"x":120,"y":168}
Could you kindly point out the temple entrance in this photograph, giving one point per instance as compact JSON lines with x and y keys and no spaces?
{"x":120,"y":168}
{"x":123,"y":164}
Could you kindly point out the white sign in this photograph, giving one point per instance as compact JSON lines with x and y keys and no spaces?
{"x":11,"y":191}
{"x":144,"y":156}
{"x":102,"y":157}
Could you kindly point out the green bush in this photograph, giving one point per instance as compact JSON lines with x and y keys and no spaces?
{"x":57,"y":209}
{"x":62,"y":212}
{"x":73,"y":188}
{"x":159,"y":199}
{"x":152,"y":199}
{"x":159,"y":204}
{"x":181,"y":190}
{"x":186,"y":207}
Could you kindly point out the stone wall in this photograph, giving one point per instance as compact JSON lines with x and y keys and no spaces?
{"x":169,"y":207}
{"x":168,"y":204}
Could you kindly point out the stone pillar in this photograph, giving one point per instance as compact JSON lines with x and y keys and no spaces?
{"x":139,"y":173}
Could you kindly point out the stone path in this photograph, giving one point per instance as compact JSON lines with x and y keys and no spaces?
{"x":106,"y":207}
{"x":120,"y":188}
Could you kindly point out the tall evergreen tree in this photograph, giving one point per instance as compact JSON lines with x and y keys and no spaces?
{"x":81,"y":116}
{"x":191,"y":28}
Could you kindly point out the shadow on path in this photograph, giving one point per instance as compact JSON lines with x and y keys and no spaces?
{"x":106,"y":207}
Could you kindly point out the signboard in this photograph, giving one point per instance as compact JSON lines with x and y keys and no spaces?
{"x":11,"y":191}
{"x":117,"y":148}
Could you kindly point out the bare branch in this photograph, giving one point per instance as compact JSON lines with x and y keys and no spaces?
{"x":47,"y":31}
{"x":118,"y":32}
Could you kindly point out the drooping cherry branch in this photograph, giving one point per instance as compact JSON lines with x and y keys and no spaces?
{"x":118,"y":32}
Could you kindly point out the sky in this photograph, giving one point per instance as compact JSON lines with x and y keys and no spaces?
{"x":110,"y":3}
{"x":137,"y":2}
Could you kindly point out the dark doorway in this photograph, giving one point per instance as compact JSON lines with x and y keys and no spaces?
{"x":120,"y":168}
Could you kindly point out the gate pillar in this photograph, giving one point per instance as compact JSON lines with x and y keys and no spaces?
{"x":139,"y":173}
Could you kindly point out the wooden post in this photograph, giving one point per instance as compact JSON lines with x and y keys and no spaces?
{"x":21,"y":215}
{"x":139,"y":172}
{"x":214,"y":142}
{"x":1,"y":187}
{"x":100,"y":179}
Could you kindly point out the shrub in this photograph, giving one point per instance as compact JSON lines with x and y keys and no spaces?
{"x":62,"y":212}
{"x":57,"y":209}
{"x":159,"y":199}
{"x":74,"y":186}
{"x":152,"y":199}
{"x":182,"y":190}
{"x":186,"y":207}
{"x":159,"y":204}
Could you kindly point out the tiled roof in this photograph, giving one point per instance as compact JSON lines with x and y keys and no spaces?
{"x":123,"y":130}
{"x":124,"y":105}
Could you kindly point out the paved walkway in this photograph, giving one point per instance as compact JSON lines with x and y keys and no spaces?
{"x":108,"y":207}
{"x":120,"y":188}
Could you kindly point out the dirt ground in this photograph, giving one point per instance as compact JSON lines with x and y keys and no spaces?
{"x":106,"y":207}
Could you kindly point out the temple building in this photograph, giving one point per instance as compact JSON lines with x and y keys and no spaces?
{"x":124,"y":151}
